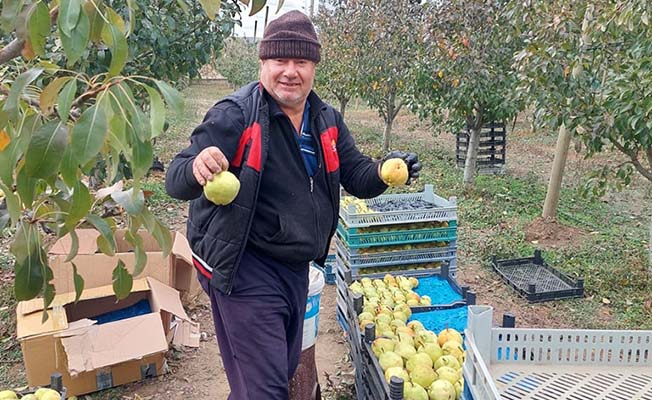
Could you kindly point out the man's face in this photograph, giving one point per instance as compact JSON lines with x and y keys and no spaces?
{"x":288,"y":80}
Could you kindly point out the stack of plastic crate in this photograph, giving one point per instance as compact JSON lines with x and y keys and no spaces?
{"x":397,"y":232}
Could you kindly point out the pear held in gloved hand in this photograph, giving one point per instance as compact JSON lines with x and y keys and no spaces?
{"x":402,"y":172}
{"x":222,"y":189}
{"x":394,"y":172}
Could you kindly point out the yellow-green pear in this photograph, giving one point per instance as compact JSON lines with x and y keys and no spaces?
{"x":423,"y":375}
{"x":8,"y":395}
{"x":441,"y":390}
{"x":222,"y":189}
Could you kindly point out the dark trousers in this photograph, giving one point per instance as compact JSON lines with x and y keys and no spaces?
{"x":259,"y":327}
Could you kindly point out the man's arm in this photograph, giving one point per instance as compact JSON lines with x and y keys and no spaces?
{"x":359,"y":174}
{"x":212,"y":144}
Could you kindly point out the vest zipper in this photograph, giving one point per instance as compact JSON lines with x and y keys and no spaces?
{"x":312,"y":184}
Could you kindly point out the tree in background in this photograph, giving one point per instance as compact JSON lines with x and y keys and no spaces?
{"x":238,"y":61}
{"x":463,"y":78}
{"x":168,"y":39}
{"x":56,"y":119}
{"x":338,"y":71}
{"x":587,"y":68}
{"x":387,"y":33}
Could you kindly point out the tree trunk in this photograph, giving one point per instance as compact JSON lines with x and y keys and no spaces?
{"x":389,"y":119}
{"x":557,"y":173}
{"x":471,"y":155}
{"x":343,"y":103}
{"x":649,"y":266}
{"x":386,"y":135}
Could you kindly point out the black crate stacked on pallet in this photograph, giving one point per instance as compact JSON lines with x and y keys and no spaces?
{"x":491,"y":149}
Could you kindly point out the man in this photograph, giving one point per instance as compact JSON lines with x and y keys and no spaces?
{"x":291,"y":152}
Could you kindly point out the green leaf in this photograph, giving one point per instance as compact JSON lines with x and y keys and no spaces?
{"x":88,"y":134}
{"x":171,"y":95}
{"x":106,"y":240}
{"x":79,"y":282}
{"x":119,"y":50}
{"x":256,"y":6}
{"x":160,"y":232}
{"x":142,"y":158}
{"x":70,"y":12}
{"x":95,"y":19}
{"x":75,"y":42}
{"x":212,"y":7}
{"x":43,"y":155}
{"x":38,"y":27}
{"x":131,"y":202}
{"x":74,"y":246}
{"x":24,"y":79}
{"x":30,"y":262}
{"x":122,"y":281}
{"x":26,"y":188}
{"x":13,"y":203}
{"x":116,"y":20}
{"x":80,"y":204}
{"x":66,"y":97}
{"x":48,"y":294}
{"x":69,"y":168}
{"x":139,"y":251}
{"x":124,"y":103}
{"x":48,"y":97}
{"x":156,"y":112}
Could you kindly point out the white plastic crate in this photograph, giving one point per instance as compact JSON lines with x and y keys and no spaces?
{"x":444,"y":210}
{"x":559,"y":364}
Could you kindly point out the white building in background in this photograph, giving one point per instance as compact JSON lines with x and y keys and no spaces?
{"x":257,"y":21}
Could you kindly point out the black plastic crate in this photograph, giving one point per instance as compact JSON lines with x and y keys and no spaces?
{"x":535,"y":280}
{"x":491,"y":149}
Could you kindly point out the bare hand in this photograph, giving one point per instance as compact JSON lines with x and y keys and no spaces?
{"x":209,"y":162}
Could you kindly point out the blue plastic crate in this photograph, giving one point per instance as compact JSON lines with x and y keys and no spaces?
{"x":355,"y":239}
{"x":398,"y":269}
{"x":382,"y":259}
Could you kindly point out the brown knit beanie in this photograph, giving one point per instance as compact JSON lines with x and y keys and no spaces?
{"x":292,"y":35}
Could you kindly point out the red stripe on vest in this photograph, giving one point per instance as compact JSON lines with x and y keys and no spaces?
{"x":329,"y":147}
{"x":251,"y":134}
{"x":201,"y":269}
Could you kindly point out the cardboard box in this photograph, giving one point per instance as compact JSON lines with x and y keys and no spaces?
{"x":175,"y":270}
{"x":100,"y":342}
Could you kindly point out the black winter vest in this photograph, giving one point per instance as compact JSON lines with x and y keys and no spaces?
{"x":218,"y":234}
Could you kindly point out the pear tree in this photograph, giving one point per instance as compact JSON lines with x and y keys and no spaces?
{"x":338,"y":72}
{"x":463,"y":79}
{"x":62,"y":109}
{"x":387,"y":35}
{"x":238,"y":61}
{"x":587,"y":69}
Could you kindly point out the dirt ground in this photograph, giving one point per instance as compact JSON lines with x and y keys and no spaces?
{"x":198,"y":373}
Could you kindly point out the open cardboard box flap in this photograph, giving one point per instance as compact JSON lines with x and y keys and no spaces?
{"x":113,"y":343}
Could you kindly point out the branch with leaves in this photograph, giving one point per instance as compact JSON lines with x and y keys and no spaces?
{"x":63,"y":110}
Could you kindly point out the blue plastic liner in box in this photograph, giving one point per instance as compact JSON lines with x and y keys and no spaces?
{"x":439,"y":290}
{"x":140,"y":308}
{"x":438,"y":320}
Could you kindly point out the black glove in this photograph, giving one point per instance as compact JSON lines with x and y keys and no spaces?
{"x":411,"y":160}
